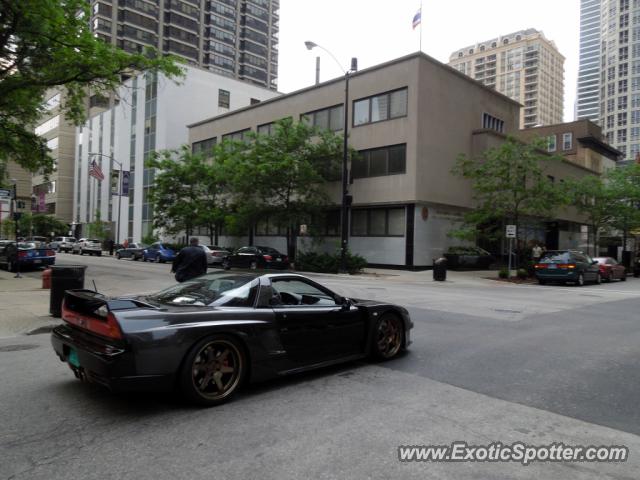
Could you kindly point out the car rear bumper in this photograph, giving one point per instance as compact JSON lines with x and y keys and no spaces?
{"x":558,"y":276}
{"x":108,"y":365}
{"x":37,"y":262}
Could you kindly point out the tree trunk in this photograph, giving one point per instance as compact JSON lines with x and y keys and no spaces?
{"x":216,"y":231}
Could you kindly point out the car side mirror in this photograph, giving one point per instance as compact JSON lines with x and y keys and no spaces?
{"x":346,"y":303}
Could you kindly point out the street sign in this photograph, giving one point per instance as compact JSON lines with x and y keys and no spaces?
{"x":5,"y":193}
{"x":511,"y":231}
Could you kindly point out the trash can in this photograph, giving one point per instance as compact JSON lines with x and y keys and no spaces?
{"x":63,"y":278}
{"x":440,"y":270}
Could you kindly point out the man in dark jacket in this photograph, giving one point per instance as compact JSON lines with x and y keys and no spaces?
{"x":191,"y":262}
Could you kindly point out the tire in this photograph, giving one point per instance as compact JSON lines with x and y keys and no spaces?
{"x":144,"y":259}
{"x":253,"y":265}
{"x":607,"y":278}
{"x":80,"y":252}
{"x":623,"y":278}
{"x":204,"y":363}
{"x":542,"y":282}
{"x":388,"y":338}
{"x":11,"y":266}
{"x":598,"y":279}
{"x":580,"y":280}
{"x":99,"y":254}
{"x":225,"y":265}
{"x":118,"y":256}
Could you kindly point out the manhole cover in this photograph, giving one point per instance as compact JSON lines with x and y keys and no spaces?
{"x":17,"y":348}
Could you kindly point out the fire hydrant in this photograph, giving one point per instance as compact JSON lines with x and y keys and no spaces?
{"x":46,"y":278}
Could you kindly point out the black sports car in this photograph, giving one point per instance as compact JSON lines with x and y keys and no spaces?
{"x":256,"y":257}
{"x":208,"y":335}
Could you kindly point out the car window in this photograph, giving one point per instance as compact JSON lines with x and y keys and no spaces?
{"x":269,"y":250}
{"x":247,"y":250}
{"x":612,"y":261}
{"x":299,"y":292}
{"x":556,"y":257}
{"x":219,"y":289}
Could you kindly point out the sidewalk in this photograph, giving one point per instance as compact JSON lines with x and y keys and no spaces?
{"x":24,"y":305}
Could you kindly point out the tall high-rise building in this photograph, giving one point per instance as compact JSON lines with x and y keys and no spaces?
{"x":620,"y":75}
{"x":524,"y":66}
{"x":587,"y":99}
{"x":237,"y":38}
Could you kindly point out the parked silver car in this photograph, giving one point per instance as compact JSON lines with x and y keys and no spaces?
{"x":215,"y":255}
{"x":87,"y":245}
{"x":62,"y":244}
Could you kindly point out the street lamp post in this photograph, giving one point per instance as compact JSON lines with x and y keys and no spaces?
{"x":117,"y":239}
{"x":344,"y":206}
{"x":14,"y":208}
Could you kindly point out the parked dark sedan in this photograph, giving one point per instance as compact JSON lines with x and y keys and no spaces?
{"x":567,"y":266}
{"x":208,"y":335}
{"x":610,"y":269}
{"x":256,"y":257}
{"x":133,"y":251}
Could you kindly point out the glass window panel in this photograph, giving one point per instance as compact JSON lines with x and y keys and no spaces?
{"x":336,"y":120}
{"x":377,"y":222}
{"x":322,"y":119}
{"x":397,"y":159}
{"x":399,"y":103}
{"x":361,"y":112}
{"x":379,"y":108}
{"x":359,"y":166}
{"x":377,"y":162}
{"x":396,"y":221}
{"x":359,"y":222}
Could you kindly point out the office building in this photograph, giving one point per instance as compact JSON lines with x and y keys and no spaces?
{"x":524,"y":66}
{"x":588,"y":94}
{"x":151,"y":115}
{"x":237,"y":38}
{"x":410,"y":119}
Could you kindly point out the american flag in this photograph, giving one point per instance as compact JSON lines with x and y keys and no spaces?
{"x":417,"y":18}
{"x":95,"y":171}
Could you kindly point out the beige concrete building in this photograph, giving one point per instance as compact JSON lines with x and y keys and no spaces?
{"x":410,"y":119}
{"x":54,"y":194}
{"x":524,"y":66}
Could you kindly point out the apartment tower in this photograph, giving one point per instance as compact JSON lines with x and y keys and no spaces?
{"x":524,"y":66}
{"x":587,"y":99}
{"x":236,"y":38}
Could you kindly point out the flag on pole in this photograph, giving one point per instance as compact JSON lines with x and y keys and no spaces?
{"x":95,"y":171}
{"x":417,"y":18}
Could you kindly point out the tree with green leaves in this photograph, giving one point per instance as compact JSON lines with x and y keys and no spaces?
{"x":592,"y":196}
{"x":283,"y":176}
{"x":49,"y":43}
{"x":510,"y":186}
{"x":624,"y":183}
{"x":98,"y":228}
{"x":187,"y":192}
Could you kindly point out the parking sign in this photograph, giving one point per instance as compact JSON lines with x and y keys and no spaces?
{"x":511,"y":231}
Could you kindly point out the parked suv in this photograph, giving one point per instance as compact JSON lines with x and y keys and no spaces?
{"x":87,"y":245}
{"x":567,"y":266}
{"x":63,"y":244}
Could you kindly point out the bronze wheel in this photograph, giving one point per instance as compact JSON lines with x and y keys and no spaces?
{"x":388,"y":336}
{"x":213,"y":370}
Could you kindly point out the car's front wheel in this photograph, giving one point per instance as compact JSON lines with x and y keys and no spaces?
{"x":542,"y":282}
{"x":580,"y":280}
{"x":598,"y":279}
{"x":388,"y":337}
{"x":118,"y":256}
{"x":213,"y":370}
{"x":226,"y":265}
{"x":253,"y":265}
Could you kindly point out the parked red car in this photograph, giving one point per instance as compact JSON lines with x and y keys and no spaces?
{"x":610,"y":269}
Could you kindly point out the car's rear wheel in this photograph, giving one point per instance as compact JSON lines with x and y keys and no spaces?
{"x":11,"y":266}
{"x":226,"y":265}
{"x":157,"y":259}
{"x":580,"y":280}
{"x":213,"y":370}
{"x":598,"y":279}
{"x":623,"y":278}
{"x":80,"y":252}
{"x":388,"y":337}
{"x":253,"y":265}
{"x":118,"y":256}
{"x":542,"y":282}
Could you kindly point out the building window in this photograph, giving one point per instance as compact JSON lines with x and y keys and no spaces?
{"x":266,"y":129}
{"x":47,"y":126}
{"x":53,"y":102}
{"x":492,"y":123}
{"x":240,"y":135}
{"x":380,"y":161}
{"x":380,"y":107}
{"x":331,"y":118}
{"x":378,"y":222}
{"x":267,"y":226}
{"x":204,"y":146}
{"x":622,"y":119}
{"x":551,"y":143}
{"x":567,"y":141}
{"x":224,"y":98}
{"x":53,"y":143}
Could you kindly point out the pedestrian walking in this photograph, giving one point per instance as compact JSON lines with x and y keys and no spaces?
{"x":536,"y":253}
{"x":110,"y":245}
{"x":190,"y":262}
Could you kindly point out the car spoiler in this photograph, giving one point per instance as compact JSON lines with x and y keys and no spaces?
{"x":88,"y":301}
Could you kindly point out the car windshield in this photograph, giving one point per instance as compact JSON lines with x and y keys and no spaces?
{"x":218,"y":289}
{"x":556,"y":257}
{"x":269,"y":250}
{"x":601,"y":260}
{"x":26,"y":245}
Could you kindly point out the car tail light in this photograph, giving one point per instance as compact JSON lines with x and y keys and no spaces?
{"x":540,"y":265}
{"x":50,"y":253}
{"x":23,"y":254}
{"x":285,"y":259}
{"x":567,"y":265}
{"x":104,"y":326}
{"x":268,"y":258}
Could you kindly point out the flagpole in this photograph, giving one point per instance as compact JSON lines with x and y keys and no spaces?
{"x":420,"y":26}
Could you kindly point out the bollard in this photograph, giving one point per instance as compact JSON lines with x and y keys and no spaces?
{"x":440,"y":270}
{"x":46,"y":278}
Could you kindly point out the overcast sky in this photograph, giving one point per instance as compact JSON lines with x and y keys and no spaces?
{"x":376,"y":31}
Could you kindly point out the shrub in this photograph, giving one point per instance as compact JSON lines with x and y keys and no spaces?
{"x":503,"y":273}
{"x":522,"y":274}
{"x":328,"y":263}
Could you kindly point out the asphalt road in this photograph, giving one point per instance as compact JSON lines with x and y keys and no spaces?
{"x":489,"y":362}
